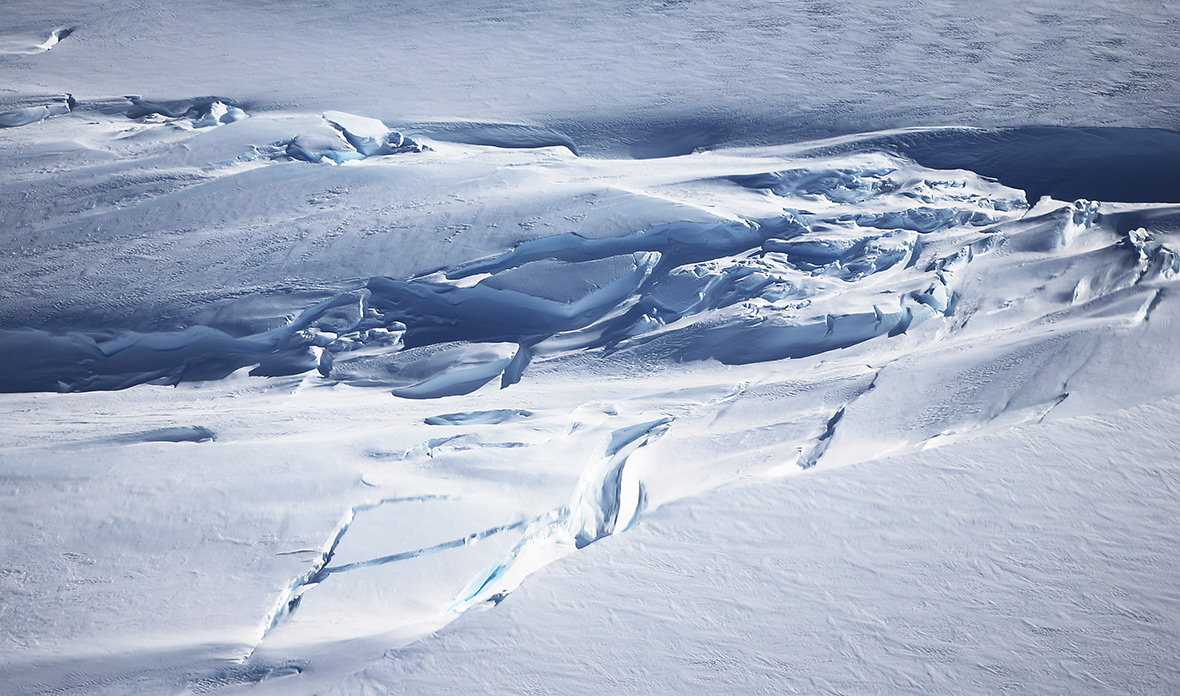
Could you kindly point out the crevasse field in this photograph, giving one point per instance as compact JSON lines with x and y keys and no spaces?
{"x":673,"y":347}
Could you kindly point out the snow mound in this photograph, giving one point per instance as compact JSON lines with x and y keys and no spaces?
{"x":27,"y":115}
{"x":492,"y":417}
{"x":32,"y":43}
{"x":346,"y":137}
{"x":202,"y":112}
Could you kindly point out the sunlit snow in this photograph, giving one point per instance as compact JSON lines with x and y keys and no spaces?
{"x":577,"y":367}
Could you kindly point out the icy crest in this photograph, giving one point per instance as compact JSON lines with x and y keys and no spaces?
{"x":847,"y":260}
{"x":345,"y":137}
{"x":27,"y":115}
{"x":199,"y":112}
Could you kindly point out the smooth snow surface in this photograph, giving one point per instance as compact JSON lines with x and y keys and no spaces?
{"x":643,"y":76}
{"x":476,"y":349}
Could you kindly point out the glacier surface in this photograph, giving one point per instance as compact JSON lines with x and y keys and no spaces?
{"x":671,"y":347}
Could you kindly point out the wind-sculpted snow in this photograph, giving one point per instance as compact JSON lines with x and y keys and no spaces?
{"x":364,"y":315}
{"x":192,"y":433}
{"x":845,"y":185}
{"x":607,"y":500}
{"x":493,"y":417}
{"x":32,"y":43}
{"x":678,"y":243}
{"x":203,"y":112}
{"x":347,"y":137}
{"x":739,"y":291}
{"x":508,"y":135}
{"x":27,"y":115}
{"x":507,"y":355}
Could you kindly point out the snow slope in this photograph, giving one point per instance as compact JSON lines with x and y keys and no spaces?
{"x":1042,"y":559}
{"x":643,"y":74}
{"x":311,"y":351}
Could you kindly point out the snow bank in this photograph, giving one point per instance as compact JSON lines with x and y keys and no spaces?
{"x":346,"y":137}
{"x":33,"y":114}
{"x":848,"y":260}
{"x":32,"y":43}
{"x":203,"y":112}
{"x":509,"y":355}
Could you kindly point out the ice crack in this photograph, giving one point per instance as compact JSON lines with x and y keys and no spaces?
{"x":607,"y":500}
{"x":288,"y":600}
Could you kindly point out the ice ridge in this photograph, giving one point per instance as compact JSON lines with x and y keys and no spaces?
{"x":608,"y":499}
{"x":736,"y":290}
{"x":28,"y":115}
{"x":203,"y":112}
{"x":346,"y":137}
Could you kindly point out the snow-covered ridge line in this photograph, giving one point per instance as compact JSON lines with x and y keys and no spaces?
{"x":738,"y":291}
{"x":607,"y":500}
{"x":342,"y":137}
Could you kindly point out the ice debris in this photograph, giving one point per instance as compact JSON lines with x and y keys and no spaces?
{"x":345,"y":137}
{"x":202,"y":112}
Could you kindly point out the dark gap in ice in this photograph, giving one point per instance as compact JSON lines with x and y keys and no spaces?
{"x":824,"y":440}
{"x":289,"y":600}
{"x":416,"y":553}
{"x":189,"y":433}
{"x":595,"y":511}
{"x":1133,"y":165}
{"x":830,"y":428}
{"x":40,"y":109}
